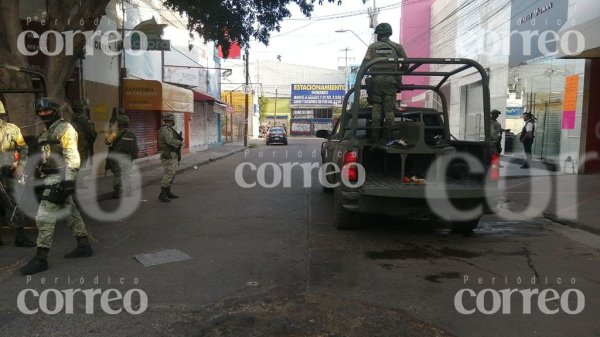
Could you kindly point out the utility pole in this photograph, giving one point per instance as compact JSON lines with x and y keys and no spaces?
{"x":275,"y":110}
{"x":246,"y":90}
{"x":122,"y":65}
{"x":345,"y":50}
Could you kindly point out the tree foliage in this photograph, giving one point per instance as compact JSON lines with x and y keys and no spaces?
{"x":262,"y":108}
{"x":238,"y":21}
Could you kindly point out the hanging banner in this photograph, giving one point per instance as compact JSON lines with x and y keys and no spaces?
{"x":570,"y":102}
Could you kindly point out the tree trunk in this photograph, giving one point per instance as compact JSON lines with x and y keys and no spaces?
{"x":63,"y":15}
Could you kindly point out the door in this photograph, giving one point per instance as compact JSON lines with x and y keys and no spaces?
{"x":473,"y":112}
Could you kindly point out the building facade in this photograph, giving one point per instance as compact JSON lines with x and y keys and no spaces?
{"x":539,"y":59}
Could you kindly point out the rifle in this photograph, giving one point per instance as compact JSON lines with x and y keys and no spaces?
{"x":9,"y":199}
{"x":179,"y":137}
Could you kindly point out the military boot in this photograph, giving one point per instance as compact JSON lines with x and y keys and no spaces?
{"x":21,"y":240}
{"x":171,"y":195}
{"x":37,"y":264}
{"x":83,"y":249}
{"x":164,"y":194}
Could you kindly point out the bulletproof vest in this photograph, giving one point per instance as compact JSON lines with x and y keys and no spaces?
{"x":385,"y":49}
{"x":124,"y":143}
{"x":161,"y":142}
{"x":524,"y":131}
{"x":50,"y":147}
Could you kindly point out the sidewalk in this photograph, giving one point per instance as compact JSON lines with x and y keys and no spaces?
{"x":151,"y":169}
{"x":569,"y":199}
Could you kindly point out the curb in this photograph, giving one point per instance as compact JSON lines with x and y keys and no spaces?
{"x":571,"y":223}
{"x":108,"y":195}
{"x":565,"y":222}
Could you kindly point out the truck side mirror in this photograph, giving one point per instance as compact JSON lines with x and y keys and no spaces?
{"x":323,"y":134}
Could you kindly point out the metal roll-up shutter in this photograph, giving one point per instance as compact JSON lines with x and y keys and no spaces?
{"x":213,"y":127}
{"x":474,"y":123}
{"x":198,"y":125}
{"x":145,"y":125}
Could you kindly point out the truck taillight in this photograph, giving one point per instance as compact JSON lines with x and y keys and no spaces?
{"x":495,"y":167}
{"x":350,"y":157}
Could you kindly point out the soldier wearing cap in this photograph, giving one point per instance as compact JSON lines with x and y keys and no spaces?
{"x":170,"y":143}
{"x":59,"y":165}
{"x":382,"y":91}
{"x":86,"y":135}
{"x":12,"y":141}
{"x":122,"y":150}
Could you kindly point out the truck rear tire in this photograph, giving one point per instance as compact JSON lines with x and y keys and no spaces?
{"x":465,"y":227}
{"x":342,"y":218}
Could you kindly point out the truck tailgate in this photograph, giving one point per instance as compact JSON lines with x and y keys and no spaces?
{"x":393,"y":187}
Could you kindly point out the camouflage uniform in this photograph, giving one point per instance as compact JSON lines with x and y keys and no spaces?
{"x":123,"y":143}
{"x":58,"y":167}
{"x":384,"y":87}
{"x":170,"y":143}
{"x":58,"y":142}
{"x":11,"y":141}
{"x":86,"y":132}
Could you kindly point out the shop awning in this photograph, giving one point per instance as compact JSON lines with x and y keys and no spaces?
{"x":204,"y":97}
{"x":157,"y":96}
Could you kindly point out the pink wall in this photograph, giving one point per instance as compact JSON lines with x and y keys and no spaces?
{"x":415,"y":23}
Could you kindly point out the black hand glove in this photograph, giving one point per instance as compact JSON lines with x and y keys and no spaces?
{"x":68,"y":187}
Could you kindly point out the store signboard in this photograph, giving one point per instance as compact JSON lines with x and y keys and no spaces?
{"x":318,"y":94}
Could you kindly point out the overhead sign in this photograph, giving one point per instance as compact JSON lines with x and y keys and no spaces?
{"x":318,"y":94}
{"x":185,"y":76}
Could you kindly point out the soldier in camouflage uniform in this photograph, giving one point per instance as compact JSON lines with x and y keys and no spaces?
{"x":59,"y":165}
{"x":86,"y":136}
{"x":122,"y":144}
{"x":382,"y":92}
{"x":170,"y":143}
{"x":12,"y":140}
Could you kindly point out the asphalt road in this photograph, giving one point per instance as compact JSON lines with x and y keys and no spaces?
{"x":269,"y":262}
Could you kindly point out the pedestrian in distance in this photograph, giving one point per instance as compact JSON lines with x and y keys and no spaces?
{"x":497,"y":130}
{"x":170,"y":142}
{"x":122,"y":150}
{"x":11,"y":170}
{"x":526,"y":137}
{"x":382,"y":89}
{"x":86,"y":136}
{"x":58,"y":167}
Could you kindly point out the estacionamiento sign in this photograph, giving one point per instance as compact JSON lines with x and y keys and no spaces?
{"x":318,"y":94}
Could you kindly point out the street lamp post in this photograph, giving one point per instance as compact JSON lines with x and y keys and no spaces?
{"x":351,"y":31}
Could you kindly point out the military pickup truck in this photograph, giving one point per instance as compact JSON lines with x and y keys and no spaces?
{"x":424,"y":172}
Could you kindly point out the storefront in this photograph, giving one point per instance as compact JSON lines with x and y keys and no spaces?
{"x":551,"y":79}
{"x":145,"y":101}
{"x":205,"y":121}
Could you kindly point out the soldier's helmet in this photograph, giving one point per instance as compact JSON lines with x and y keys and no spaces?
{"x":123,"y":119}
{"x":495,"y":112}
{"x":79,"y":106}
{"x":383,"y":29}
{"x":2,"y":110}
{"x":46,"y":103}
{"x":168,"y":117}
